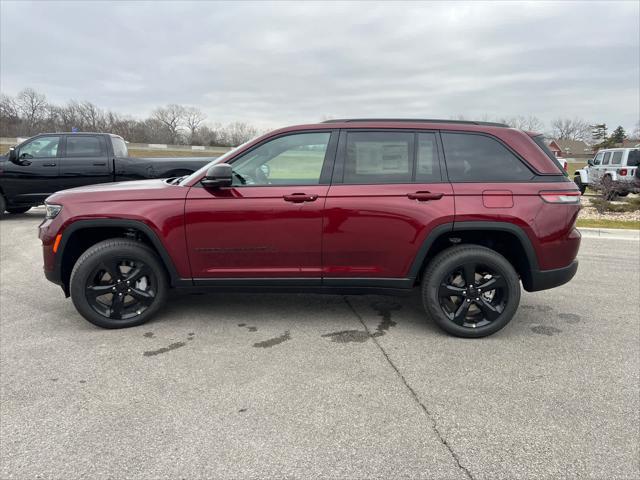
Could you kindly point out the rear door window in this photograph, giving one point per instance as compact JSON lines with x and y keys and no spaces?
{"x":379,"y":157}
{"x":85,"y":146}
{"x":607,"y":157}
{"x":480,"y":158}
{"x":616,"y":159}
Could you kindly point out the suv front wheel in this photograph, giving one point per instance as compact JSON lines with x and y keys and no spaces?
{"x":118,"y":283}
{"x":470,"y":291}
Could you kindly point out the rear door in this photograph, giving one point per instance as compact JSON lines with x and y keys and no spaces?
{"x":387,"y":194}
{"x":85,"y":161}
{"x":34,"y":175}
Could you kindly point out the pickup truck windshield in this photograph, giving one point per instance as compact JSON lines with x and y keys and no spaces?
{"x":222,"y":159}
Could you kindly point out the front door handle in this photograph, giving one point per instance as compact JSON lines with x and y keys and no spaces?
{"x":99,"y":164}
{"x":425,"y":196}
{"x":300,"y":197}
{"x":48,"y":164}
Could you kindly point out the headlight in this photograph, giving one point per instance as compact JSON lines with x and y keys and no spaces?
{"x":52,"y":210}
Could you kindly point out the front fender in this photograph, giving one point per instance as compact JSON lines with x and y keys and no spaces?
{"x":583,"y":174}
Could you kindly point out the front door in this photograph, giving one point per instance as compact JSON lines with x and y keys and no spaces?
{"x":85,"y":161}
{"x":387,"y":195}
{"x":267,"y":227}
{"x":34,"y":174}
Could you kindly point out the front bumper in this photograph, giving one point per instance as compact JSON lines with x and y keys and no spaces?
{"x":545,"y":279}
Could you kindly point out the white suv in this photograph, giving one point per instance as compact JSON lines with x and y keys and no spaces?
{"x":611,"y":170}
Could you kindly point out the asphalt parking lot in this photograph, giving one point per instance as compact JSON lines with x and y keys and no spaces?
{"x":303,"y":386}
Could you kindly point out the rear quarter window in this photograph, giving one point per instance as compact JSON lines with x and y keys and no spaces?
{"x":479,"y":158}
{"x":633,"y":159}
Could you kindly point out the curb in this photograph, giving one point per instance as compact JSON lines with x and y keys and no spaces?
{"x":610,"y":233}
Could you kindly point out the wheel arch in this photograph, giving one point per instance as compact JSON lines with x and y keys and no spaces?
{"x":82,"y":234}
{"x":584,"y":176}
{"x":508,"y":239}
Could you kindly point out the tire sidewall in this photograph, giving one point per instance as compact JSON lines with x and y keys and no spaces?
{"x":91,"y":259}
{"x":448,"y":260}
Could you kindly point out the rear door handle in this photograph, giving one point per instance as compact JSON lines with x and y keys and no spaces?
{"x":300,"y":197}
{"x":425,"y":196}
{"x":48,"y":164}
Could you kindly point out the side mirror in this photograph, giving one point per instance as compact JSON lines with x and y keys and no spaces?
{"x":590,"y":162}
{"x":13,"y":155}
{"x":220,"y":175}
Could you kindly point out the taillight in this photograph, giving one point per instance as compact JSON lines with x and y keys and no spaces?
{"x":623,"y":172}
{"x":560,"y":197}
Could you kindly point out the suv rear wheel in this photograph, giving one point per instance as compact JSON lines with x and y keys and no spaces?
{"x":470,"y":291}
{"x":118,"y":283}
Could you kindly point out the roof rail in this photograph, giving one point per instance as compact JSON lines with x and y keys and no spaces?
{"x":415,"y":120}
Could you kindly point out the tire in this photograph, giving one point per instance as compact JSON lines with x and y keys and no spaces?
{"x":501,"y":302}
{"x":91,"y":273}
{"x":18,"y":209}
{"x":581,"y":186}
{"x":3,"y":205}
{"x":623,"y":194}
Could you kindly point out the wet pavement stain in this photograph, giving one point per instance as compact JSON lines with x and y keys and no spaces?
{"x":544,"y":330}
{"x":273,"y":341}
{"x":173,"y":346}
{"x":190,"y":336}
{"x":249,"y":328}
{"x":53,"y":379}
{"x":83,"y":381}
{"x":570,"y":317}
{"x":148,"y":335}
{"x":384,"y":309}
{"x":242,"y":410}
{"x":348,"y":336}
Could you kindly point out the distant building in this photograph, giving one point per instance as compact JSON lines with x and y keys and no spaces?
{"x":570,"y":149}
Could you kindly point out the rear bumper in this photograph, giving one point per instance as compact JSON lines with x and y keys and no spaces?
{"x":545,"y":279}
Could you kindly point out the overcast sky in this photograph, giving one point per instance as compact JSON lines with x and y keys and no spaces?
{"x":274,"y":64}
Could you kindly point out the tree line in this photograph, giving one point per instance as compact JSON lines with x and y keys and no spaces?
{"x":29,"y":113}
{"x":595,"y":135}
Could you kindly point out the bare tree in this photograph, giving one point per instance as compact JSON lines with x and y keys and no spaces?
{"x":237,"y":133}
{"x":93,"y":118}
{"x":172,"y":117}
{"x":530,"y":123}
{"x":570,"y":129}
{"x":193,"y":118}
{"x":9,"y":116}
{"x":33,"y":107}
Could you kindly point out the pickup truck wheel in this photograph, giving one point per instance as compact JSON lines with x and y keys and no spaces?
{"x":581,"y":186}
{"x":3,"y":205}
{"x":118,"y":283}
{"x":18,"y":209}
{"x":470,"y":291}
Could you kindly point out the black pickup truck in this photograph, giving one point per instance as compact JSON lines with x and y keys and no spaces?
{"x":50,"y":162}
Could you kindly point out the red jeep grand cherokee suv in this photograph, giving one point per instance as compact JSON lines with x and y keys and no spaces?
{"x":463,"y":210}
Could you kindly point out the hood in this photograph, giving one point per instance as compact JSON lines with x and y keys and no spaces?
{"x":155,"y":189}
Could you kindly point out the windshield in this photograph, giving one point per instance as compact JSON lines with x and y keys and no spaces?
{"x":222,"y":159}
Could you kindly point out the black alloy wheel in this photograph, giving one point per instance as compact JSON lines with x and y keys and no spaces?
{"x":473,"y":295}
{"x":121,"y":288}
{"x":118,"y":283}
{"x":470,"y":291}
